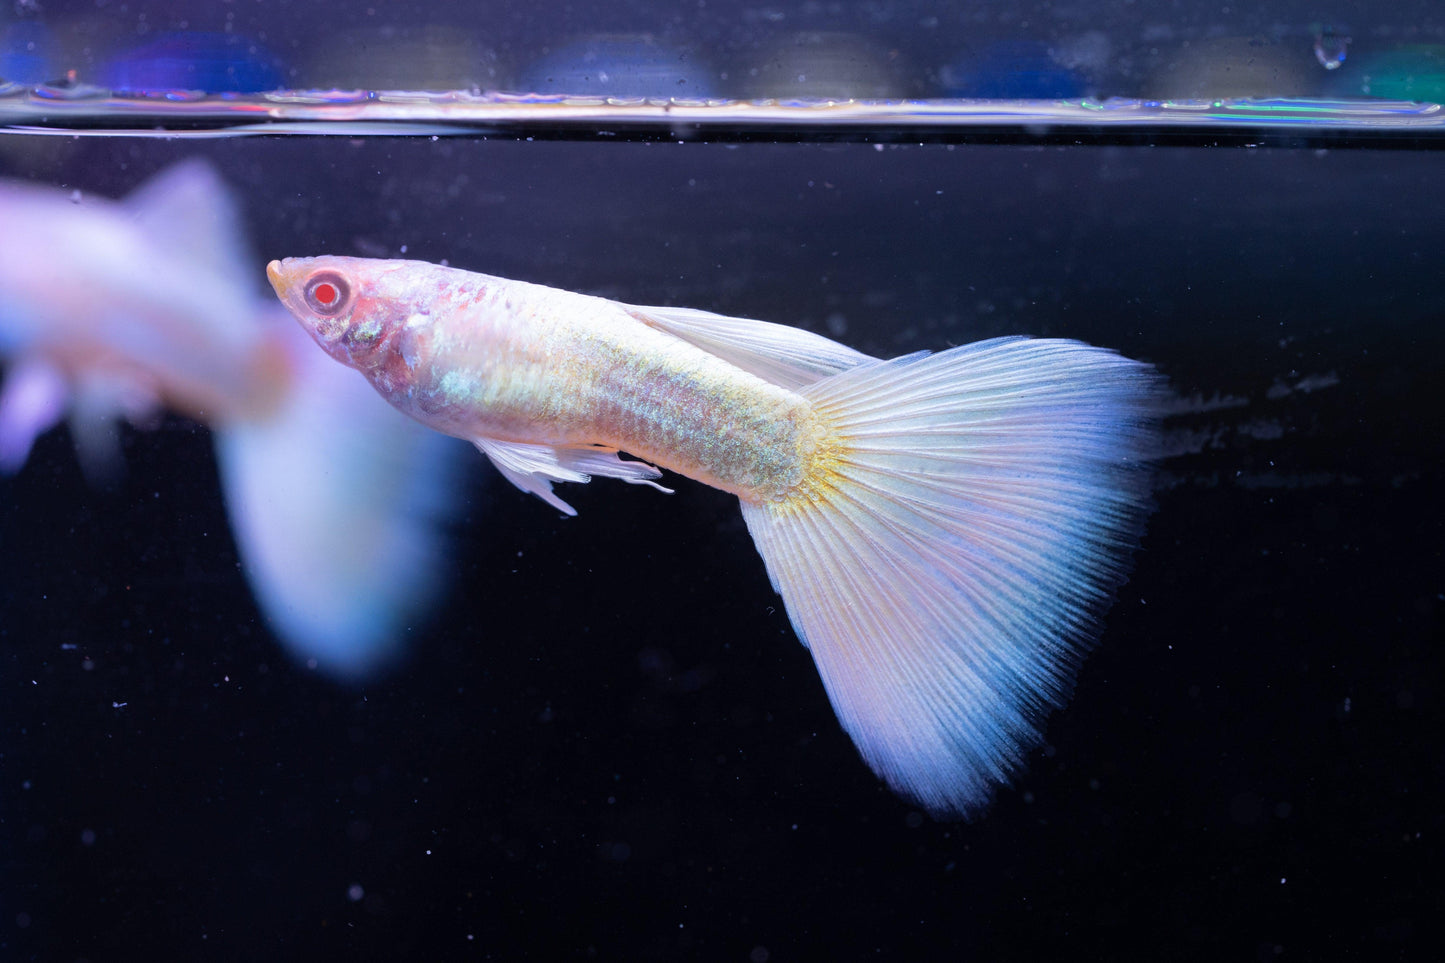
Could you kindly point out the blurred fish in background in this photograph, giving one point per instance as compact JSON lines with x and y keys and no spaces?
{"x":112,"y":310}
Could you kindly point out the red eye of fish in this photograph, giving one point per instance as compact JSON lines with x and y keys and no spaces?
{"x":327,"y":293}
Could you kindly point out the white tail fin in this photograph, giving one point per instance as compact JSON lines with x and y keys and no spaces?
{"x":977,"y":509}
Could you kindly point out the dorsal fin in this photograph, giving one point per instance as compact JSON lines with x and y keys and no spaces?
{"x":187,"y":207}
{"x":789,"y":357}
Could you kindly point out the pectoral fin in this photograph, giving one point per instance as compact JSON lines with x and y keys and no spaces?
{"x":533,"y":468}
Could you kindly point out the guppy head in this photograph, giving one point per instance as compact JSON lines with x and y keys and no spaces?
{"x":344,"y":302}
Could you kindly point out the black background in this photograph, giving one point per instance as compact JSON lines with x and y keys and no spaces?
{"x":608,"y":743}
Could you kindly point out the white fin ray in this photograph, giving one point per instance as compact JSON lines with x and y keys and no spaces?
{"x":947,"y":575}
{"x":784,"y":356}
{"x":533,"y":468}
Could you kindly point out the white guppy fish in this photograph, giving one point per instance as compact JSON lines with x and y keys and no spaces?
{"x":120,"y":309}
{"x":943,"y":528}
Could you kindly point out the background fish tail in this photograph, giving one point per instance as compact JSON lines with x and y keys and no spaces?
{"x":336,"y":501}
{"x":974,"y":512}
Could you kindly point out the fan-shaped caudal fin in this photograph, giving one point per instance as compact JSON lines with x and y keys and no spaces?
{"x":976,"y":511}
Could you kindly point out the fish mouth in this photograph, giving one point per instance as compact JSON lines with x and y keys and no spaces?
{"x":276,"y":274}
{"x":286,"y":281}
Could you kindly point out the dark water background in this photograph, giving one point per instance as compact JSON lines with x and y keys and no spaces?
{"x":608,"y":742}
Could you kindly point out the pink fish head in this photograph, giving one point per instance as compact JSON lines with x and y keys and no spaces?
{"x":348,"y":304}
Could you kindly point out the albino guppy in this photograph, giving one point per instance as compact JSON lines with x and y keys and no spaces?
{"x":112,"y":309}
{"x":943,"y":528}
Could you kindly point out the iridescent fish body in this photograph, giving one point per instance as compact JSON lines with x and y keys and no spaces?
{"x":943,"y":528}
